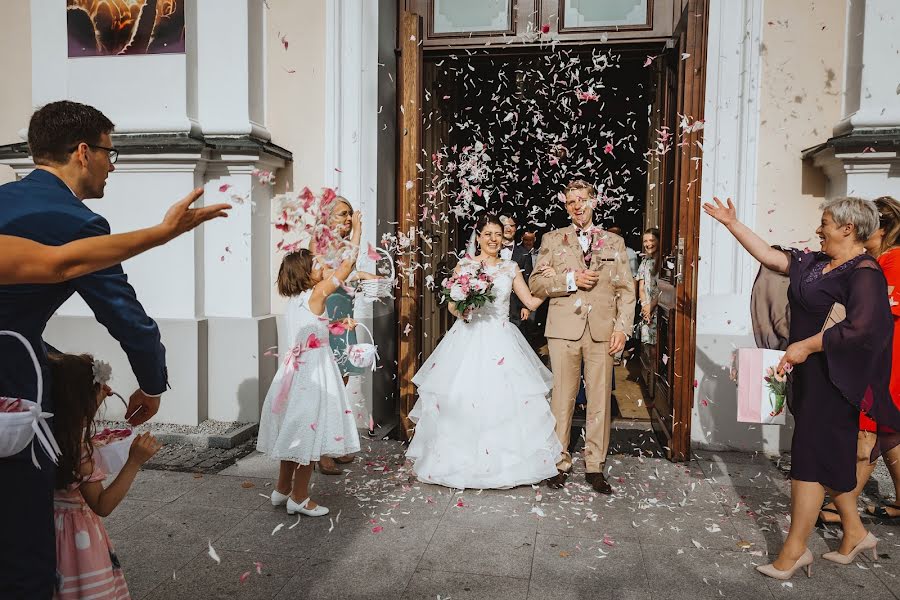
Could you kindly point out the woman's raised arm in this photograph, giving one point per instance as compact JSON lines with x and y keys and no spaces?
{"x":773,"y":259}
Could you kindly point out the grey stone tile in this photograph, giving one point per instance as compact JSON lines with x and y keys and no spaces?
{"x":590,"y":518}
{"x":379,"y":577}
{"x":235,"y":577}
{"x":571,"y":589}
{"x":605,"y":568}
{"x":672,"y":525}
{"x":691,"y":573}
{"x":500,"y":553}
{"x":127,"y":513}
{"x":840,"y":581}
{"x":186,"y":525}
{"x":767,"y":534}
{"x":505,"y":510}
{"x":428,"y":585}
{"x":163,"y":486}
{"x":274,"y":531}
{"x":359,"y":541}
{"x":148,"y":564}
{"x":253,"y":465}
{"x":725,"y":456}
{"x":746,"y":475}
{"x":229,"y":492}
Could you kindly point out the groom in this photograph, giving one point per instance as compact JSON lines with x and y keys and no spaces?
{"x":591,"y":309}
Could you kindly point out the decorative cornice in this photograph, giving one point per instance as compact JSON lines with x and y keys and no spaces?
{"x":173,"y":143}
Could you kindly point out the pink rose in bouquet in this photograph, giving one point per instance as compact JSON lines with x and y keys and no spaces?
{"x":469,"y":289}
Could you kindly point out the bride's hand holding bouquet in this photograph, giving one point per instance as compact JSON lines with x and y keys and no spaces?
{"x":469,"y":288}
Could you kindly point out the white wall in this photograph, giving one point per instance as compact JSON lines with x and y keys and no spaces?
{"x":774,"y":84}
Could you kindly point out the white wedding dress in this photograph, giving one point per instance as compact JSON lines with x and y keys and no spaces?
{"x":483,"y":418}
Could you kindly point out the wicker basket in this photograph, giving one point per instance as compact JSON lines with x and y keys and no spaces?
{"x":378,"y":289}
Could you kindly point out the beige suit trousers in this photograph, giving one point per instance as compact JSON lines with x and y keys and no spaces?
{"x":566,"y":357}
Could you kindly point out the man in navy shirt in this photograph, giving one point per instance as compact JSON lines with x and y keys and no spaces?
{"x":73,"y":153}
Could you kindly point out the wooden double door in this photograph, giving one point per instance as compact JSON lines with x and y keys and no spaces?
{"x":672,"y":204}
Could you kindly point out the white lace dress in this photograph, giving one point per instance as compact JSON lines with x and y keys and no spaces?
{"x":307,"y":412}
{"x":483,"y":419}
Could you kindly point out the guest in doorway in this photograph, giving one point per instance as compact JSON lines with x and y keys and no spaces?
{"x":885,"y":246}
{"x":836,"y":372}
{"x":518,"y":312}
{"x":648,"y":285}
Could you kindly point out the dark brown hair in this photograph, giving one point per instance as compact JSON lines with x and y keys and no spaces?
{"x":295,"y":273}
{"x":58,"y":127}
{"x":75,"y":403}
{"x":889,"y":220}
{"x":487,"y":219}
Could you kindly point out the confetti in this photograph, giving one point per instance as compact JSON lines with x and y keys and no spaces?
{"x":213,"y":555}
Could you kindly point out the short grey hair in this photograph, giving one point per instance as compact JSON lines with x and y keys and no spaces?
{"x":862,"y":214}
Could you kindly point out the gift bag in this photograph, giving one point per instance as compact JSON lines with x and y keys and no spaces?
{"x":762,"y":393}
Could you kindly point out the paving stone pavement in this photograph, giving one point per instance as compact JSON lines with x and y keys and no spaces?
{"x":187,"y":457}
{"x":693,"y":530}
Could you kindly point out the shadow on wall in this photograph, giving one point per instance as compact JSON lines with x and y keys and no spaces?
{"x":813,"y":181}
{"x":715,"y":425}
{"x":249,"y":401}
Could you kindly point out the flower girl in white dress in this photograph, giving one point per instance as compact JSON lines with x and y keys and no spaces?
{"x":307,"y":412}
{"x":483,"y":418}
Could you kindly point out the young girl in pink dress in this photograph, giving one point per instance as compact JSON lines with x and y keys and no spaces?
{"x":87,"y":566}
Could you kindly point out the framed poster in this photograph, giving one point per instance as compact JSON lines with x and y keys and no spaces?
{"x":124,"y":27}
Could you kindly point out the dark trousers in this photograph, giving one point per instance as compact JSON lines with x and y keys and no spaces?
{"x":28,"y":547}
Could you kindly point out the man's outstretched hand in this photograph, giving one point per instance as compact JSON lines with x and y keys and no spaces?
{"x":181,"y":218}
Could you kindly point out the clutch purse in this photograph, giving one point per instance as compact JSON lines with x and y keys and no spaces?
{"x":837,"y":314}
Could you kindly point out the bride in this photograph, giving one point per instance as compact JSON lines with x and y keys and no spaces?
{"x":482,"y":418}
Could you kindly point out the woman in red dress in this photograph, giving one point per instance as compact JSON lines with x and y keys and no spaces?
{"x":885,"y":246}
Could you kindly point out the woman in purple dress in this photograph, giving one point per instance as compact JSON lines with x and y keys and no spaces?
{"x":835,"y":372}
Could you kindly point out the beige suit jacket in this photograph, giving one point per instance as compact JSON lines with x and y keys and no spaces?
{"x":609,"y":307}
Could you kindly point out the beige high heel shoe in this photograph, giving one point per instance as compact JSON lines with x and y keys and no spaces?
{"x":805,"y":560}
{"x":867,"y":543}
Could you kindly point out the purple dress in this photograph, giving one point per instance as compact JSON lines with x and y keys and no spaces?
{"x":852,"y":374}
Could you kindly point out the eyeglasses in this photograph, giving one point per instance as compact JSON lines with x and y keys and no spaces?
{"x":112,"y":153}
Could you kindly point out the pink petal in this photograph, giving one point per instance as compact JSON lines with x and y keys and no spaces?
{"x":224,"y":187}
{"x":259,"y":566}
{"x":245,"y":577}
{"x":313,"y":426}
{"x":377,"y":529}
{"x":372,"y":253}
{"x":501,"y":361}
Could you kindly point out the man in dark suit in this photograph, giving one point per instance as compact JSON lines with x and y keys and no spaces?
{"x":517,"y":253}
{"x":72,"y":150}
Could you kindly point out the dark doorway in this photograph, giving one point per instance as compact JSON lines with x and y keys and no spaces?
{"x":505,"y":132}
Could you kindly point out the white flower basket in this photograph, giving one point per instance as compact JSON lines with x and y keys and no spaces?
{"x":377,"y":289}
{"x":362,"y":356}
{"x":113,"y":455}
{"x":18,"y":429}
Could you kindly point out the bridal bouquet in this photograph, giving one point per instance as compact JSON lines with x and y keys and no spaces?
{"x":471,"y":288}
